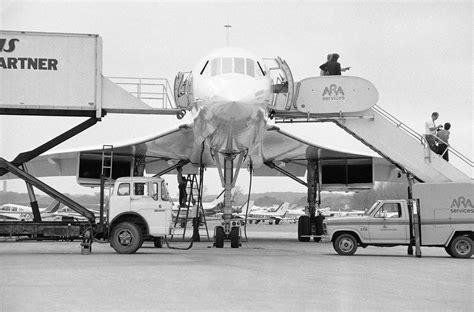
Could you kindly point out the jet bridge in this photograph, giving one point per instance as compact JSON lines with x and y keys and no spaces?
{"x":350,"y":103}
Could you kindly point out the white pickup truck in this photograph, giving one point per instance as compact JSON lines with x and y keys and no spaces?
{"x":443,"y":216}
{"x":139,"y":209}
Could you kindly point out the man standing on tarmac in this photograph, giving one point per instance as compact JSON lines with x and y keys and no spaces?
{"x":181,"y":187}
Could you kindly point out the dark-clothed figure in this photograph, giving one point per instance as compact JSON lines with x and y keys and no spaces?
{"x":332,"y":66}
{"x":324,"y":67}
{"x":443,"y":136}
{"x":181,"y":187}
{"x":196,"y":220}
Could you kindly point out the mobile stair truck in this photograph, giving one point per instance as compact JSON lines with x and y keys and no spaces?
{"x":439,"y":215}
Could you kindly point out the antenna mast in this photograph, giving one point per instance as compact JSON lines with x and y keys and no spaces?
{"x":228,"y":26}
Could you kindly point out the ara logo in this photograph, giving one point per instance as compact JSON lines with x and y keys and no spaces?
{"x":333,"y":92}
{"x":462,"y":205}
{"x":8,"y":45}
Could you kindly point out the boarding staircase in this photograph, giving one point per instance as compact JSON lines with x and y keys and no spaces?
{"x":350,"y":102}
{"x":403,"y":146}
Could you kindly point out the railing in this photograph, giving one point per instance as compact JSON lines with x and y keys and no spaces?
{"x":420,"y":137}
{"x":155,"y":92}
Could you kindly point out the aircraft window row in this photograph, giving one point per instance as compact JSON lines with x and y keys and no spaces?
{"x":238,"y":65}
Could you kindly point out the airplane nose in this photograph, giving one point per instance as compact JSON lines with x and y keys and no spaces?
{"x":239,"y":95}
{"x":235,"y":88}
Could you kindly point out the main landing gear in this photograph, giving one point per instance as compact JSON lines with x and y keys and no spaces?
{"x":310,"y":228}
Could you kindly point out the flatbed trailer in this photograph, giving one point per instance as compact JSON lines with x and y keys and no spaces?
{"x":45,"y":230}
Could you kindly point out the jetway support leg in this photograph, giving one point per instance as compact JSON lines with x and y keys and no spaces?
{"x":414,"y":220}
{"x":33,"y":201}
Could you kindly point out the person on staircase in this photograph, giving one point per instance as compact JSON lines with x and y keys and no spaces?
{"x":443,"y":136}
{"x":430,"y":131}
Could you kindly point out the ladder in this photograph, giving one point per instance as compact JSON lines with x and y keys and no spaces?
{"x":192,"y":193}
{"x":107,"y":159}
{"x":106,"y":173}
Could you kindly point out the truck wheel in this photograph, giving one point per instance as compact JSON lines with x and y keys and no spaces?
{"x":234,"y":237}
{"x":461,"y":247}
{"x":158,"y":242}
{"x":304,"y":228}
{"x":126,"y":238}
{"x":345,"y":244}
{"x":219,"y":237}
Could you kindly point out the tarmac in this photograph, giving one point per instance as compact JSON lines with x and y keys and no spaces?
{"x":270,"y":272}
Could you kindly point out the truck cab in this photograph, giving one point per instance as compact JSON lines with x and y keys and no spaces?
{"x":139,"y":209}
{"x":386,"y":222}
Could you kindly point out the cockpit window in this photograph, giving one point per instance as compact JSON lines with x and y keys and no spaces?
{"x":238,"y":65}
{"x":226,"y":65}
{"x":250,"y":67}
{"x":215,"y":67}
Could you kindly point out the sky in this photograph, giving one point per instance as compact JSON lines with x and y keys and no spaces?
{"x":418,"y":54}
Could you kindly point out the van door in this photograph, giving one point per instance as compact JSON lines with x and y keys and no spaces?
{"x":145,"y":201}
{"x":388,"y":225}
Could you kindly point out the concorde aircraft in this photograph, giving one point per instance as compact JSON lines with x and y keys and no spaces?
{"x":230,"y":94}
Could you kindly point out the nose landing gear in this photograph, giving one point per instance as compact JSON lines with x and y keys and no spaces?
{"x":232,"y":234}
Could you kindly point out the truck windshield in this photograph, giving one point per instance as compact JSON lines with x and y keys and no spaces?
{"x":371,"y":209}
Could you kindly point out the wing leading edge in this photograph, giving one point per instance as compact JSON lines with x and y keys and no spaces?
{"x":161,"y":151}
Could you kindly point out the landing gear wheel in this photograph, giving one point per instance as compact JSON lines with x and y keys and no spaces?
{"x":304,"y":228}
{"x":234,"y":237}
{"x":158,"y":242}
{"x":345,"y":244}
{"x":219,"y":237}
{"x":126,"y":238}
{"x":461,"y":247}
